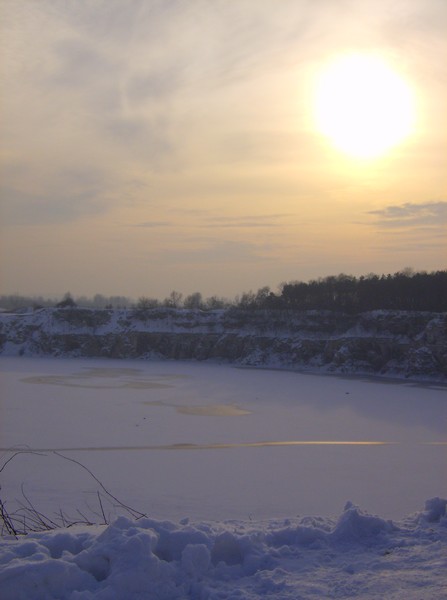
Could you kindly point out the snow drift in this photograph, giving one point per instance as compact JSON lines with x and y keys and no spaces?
{"x":357,"y":556}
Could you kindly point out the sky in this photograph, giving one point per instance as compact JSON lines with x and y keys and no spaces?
{"x":156,"y":145}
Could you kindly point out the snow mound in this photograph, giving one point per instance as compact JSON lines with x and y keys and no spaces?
{"x":435,"y":510}
{"x":359,"y":555}
{"x":354,"y":525}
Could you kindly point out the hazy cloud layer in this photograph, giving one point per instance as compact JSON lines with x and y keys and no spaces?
{"x":158,"y":119}
{"x":66,"y":195}
{"x":246,"y":221}
{"x":409,"y":215}
{"x":410,"y":228}
{"x":210,"y":251}
{"x":155,"y":224}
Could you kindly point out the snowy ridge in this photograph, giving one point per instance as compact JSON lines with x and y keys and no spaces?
{"x":357,"y":556}
{"x":393,"y":343}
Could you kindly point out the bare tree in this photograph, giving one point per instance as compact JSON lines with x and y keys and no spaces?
{"x":174,"y":300}
{"x":214,"y":302}
{"x":145,"y":303}
{"x":193,"y":301}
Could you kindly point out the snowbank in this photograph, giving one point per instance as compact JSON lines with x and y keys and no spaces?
{"x":357,"y":556}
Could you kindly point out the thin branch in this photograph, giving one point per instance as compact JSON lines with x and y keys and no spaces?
{"x":41,"y":517}
{"x":26,"y":518}
{"x":86,"y":521}
{"x":20,"y":452}
{"x":132,"y":511}
{"x":7,"y":521}
{"x":102,"y":508}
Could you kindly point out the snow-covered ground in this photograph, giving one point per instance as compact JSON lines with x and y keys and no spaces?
{"x":231,"y":467}
{"x":357,"y":556}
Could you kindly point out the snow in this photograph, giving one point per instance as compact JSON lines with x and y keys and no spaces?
{"x":356,"y":556}
{"x":387,"y":343}
{"x":250,"y":483}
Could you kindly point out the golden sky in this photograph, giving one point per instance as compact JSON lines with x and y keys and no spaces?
{"x":147,"y":146}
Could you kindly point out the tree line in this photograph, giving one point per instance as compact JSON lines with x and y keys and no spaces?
{"x":404,"y":290}
{"x":18,"y":302}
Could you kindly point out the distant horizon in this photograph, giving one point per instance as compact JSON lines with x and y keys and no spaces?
{"x":55,"y":297}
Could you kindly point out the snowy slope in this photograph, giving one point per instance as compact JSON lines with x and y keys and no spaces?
{"x":396,"y":343}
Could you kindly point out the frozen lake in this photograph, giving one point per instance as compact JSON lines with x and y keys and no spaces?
{"x":181,"y":439}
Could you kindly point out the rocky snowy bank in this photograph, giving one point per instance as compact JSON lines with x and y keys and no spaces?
{"x":357,"y":556}
{"x":389,"y":343}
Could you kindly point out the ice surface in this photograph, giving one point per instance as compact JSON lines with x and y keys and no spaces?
{"x":180,"y":439}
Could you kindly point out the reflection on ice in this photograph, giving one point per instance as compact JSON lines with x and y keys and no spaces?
{"x":192,"y":446}
{"x":214,"y":410}
{"x":119,"y":378}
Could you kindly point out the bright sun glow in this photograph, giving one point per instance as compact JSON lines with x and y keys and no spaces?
{"x":363,"y":106}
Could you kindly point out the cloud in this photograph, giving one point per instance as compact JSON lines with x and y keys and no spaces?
{"x":210,"y":251}
{"x":104,"y":96}
{"x":130,"y":74}
{"x":255,"y":221}
{"x":412,"y":215}
{"x":143,"y":88}
{"x":77,"y":62}
{"x":411,"y":228}
{"x":70,"y":194}
{"x":154,"y":224}
{"x":154,"y":84}
{"x":26,"y":208}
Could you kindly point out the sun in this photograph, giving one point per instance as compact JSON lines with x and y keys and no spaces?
{"x":363,"y":106}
